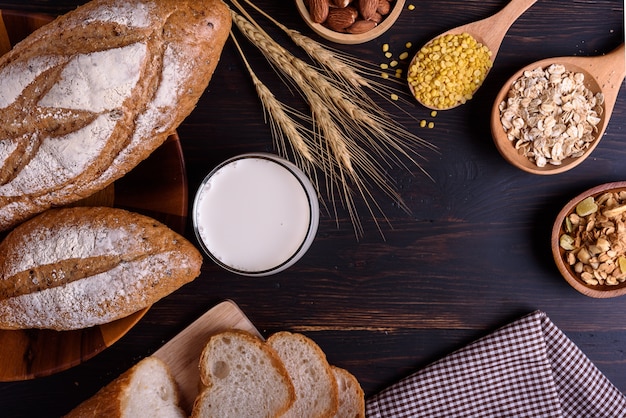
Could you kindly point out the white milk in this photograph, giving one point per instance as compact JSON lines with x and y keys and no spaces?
{"x":256,"y":214}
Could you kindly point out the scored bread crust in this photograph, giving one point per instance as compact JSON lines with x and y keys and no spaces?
{"x":77,"y":267}
{"x":113,"y":399}
{"x":91,"y":94}
{"x":225,"y":375}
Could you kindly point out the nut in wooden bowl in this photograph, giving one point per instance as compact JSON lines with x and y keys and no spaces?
{"x":350,"y":21}
{"x":589,"y":241}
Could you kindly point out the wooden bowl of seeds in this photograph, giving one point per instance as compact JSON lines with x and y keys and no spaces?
{"x":350,"y":21}
{"x":589,"y":241}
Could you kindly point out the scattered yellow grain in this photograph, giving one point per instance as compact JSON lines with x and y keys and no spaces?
{"x":411,"y":7}
{"x":431,"y":125}
{"x":394,"y":96}
{"x":448,"y":70}
{"x":422,"y":123}
{"x":384,"y":75}
{"x":388,"y":54}
{"x":433,"y":113}
{"x":408,"y":45}
{"x":393,"y":63}
{"x":404,"y":55}
{"x":384,"y":66}
{"x":385,"y":47}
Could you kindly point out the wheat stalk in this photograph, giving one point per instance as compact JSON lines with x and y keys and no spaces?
{"x":303,"y":76}
{"x":343,"y":119}
{"x":352,"y":72}
{"x":282,"y":125}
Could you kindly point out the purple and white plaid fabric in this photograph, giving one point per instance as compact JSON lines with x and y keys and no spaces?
{"x":528,"y":368}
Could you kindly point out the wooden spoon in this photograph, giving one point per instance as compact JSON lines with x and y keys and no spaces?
{"x":602,"y":74}
{"x":490,"y":32}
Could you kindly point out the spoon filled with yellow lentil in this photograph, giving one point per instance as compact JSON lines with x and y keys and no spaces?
{"x":450,"y":68}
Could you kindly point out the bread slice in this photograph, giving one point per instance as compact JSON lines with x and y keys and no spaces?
{"x":243,"y":377}
{"x":312,"y":377}
{"x":351,"y":396}
{"x":146,"y":390}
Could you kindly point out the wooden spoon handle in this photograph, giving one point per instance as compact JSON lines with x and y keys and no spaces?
{"x":491,"y":31}
{"x":609,"y":70}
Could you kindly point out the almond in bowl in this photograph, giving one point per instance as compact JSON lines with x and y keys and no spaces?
{"x":350,"y":21}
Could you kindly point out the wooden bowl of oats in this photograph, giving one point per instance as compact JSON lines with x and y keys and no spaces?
{"x":550,"y":115}
{"x":343,"y":21}
{"x":589,"y":241}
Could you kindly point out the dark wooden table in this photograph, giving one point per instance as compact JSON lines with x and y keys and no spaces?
{"x":472,"y":256}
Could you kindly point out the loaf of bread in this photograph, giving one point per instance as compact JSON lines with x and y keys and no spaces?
{"x":242,"y":377}
{"x":74,"y":268}
{"x":88,"y":96}
{"x":145,"y":390}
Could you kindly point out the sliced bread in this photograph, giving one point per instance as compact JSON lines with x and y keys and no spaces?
{"x":351,"y":396}
{"x":145,"y":390}
{"x":312,"y":376}
{"x":243,"y":377}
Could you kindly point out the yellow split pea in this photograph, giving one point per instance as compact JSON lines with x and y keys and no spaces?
{"x":448,"y":70}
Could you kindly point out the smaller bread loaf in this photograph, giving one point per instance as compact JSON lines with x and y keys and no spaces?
{"x":78,"y":267}
{"x":312,"y":376}
{"x":243,"y":377}
{"x":146,"y":390}
{"x":351,"y":396}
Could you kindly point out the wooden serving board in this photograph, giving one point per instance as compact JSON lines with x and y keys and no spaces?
{"x":182,"y":353}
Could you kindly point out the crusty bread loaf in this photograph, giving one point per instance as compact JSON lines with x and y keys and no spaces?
{"x":77,"y":267}
{"x":145,"y":390}
{"x":312,"y":377}
{"x":87,"y":97}
{"x":351,"y":396}
{"x":243,"y":378}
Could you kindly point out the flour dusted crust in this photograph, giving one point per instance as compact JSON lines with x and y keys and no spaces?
{"x":90,"y":95}
{"x":78,"y":267}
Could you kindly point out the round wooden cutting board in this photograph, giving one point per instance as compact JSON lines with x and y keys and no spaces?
{"x":157,"y":187}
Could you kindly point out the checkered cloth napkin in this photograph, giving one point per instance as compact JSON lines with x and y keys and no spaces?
{"x":528,"y":368}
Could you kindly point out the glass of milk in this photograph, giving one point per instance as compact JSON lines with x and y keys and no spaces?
{"x":256,"y":214}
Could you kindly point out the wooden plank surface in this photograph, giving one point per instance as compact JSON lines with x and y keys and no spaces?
{"x":473,"y":254}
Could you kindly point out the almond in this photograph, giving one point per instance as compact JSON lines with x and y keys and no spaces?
{"x":339,"y":19}
{"x":383,"y":7}
{"x":361,"y":26}
{"x":367,"y":8}
{"x":376,"y":18}
{"x":318,"y":9}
